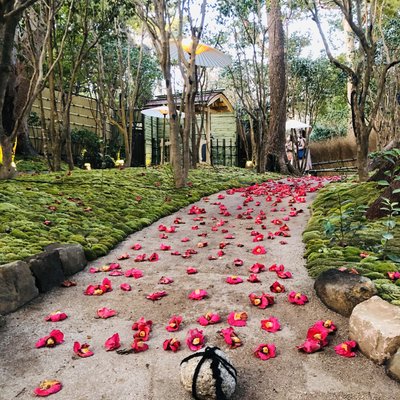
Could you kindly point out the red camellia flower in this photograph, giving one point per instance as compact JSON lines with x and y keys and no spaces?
{"x":233,"y":280}
{"x":174,"y":323}
{"x":262,"y":301}
{"x":143,"y":332}
{"x":253,"y":278}
{"x":48,"y":387}
{"x":106,"y":313}
{"x":156,"y":295}
{"x":162,"y":228}
{"x":198,"y":294}
{"x":310,"y":346}
{"x":136,"y":246}
{"x":237,"y":319}
{"x":134,"y":273}
{"x":116,"y":273}
{"x":185,"y":239}
{"x":164,"y":280}
{"x":164,"y":247}
{"x":191,"y":270}
{"x":141,"y":321}
{"x":229,"y":236}
{"x":297,"y":298}
{"x":124,"y":256}
{"x":346,"y":349}
{"x":237,"y":262}
{"x":140,"y":258}
{"x":257,"y":268}
{"x":172,"y":345}
{"x":258,"y":238}
{"x":220,"y":253}
{"x":318,"y":333}
{"x":270,"y":325}
{"x":195,"y":339}
{"x":276,"y":287}
{"x":56,"y":316}
{"x":94,"y":270}
{"x":202,"y":244}
{"x":327,"y":324}
{"x":284,"y":274}
{"x":393,"y":275}
{"x":265,"y":351}
{"x":209,"y":319}
{"x":258,"y":250}
{"x":230,"y":337}
{"x":98,"y":290}
{"x":55,"y":337}
{"x":82,"y":350}
{"x":163,"y":236}
{"x":153,"y":257}
{"x":126,"y":287}
{"x":139,"y":346}
{"x":112,"y":343}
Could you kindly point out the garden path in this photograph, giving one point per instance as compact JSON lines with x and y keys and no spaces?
{"x":154,"y":374}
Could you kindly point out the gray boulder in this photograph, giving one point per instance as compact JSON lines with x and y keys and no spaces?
{"x":17,"y":286}
{"x":341,"y":291}
{"x":47,"y":269}
{"x":72,"y":257}
{"x":199,"y":372}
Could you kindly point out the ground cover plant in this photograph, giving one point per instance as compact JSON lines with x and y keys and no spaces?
{"x":338,"y":235}
{"x":97,"y":209}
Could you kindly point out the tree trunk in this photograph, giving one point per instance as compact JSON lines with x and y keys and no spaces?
{"x":7,"y":171}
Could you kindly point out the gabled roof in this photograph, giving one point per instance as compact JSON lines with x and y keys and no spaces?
{"x":213,"y":99}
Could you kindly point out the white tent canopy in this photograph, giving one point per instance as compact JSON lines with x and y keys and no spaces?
{"x":293,"y":124}
{"x":158,"y":112}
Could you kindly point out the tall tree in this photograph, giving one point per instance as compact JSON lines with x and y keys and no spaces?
{"x":367,"y":74}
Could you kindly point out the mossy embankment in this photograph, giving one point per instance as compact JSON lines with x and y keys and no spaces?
{"x":338,"y":235}
{"x":98,"y":208}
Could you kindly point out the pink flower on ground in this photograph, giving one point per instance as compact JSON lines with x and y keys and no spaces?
{"x":257,"y":268}
{"x":143,"y":332}
{"x":253,"y":278}
{"x":195,"y":339}
{"x":393,"y":275}
{"x":237,"y":262}
{"x":276,"y":268}
{"x":270,"y":325}
{"x":140,"y":258}
{"x":276,"y":287}
{"x":134,"y":273}
{"x":156,"y":295}
{"x":54,"y":338}
{"x":233,"y":280}
{"x":136,"y":246}
{"x":198,"y":294}
{"x":258,"y":250}
{"x":230,"y":337}
{"x":172,"y":345}
{"x":318,"y":333}
{"x":174,"y":323}
{"x":112,"y":343}
{"x":106,"y":313}
{"x":297,"y":298}
{"x":110,"y":267}
{"x":220,"y":253}
{"x":98,"y":290}
{"x":346,"y":349}
{"x":209,"y":319}
{"x":56,"y":316}
{"x":191,"y":270}
{"x":265,"y":351}
{"x":258,"y":238}
{"x":237,"y":319}
{"x":162,"y":228}
{"x":310,"y":346}
{"x":94,"y":270}
{"x":116,"y":273}
{"x":48,"y":387}
{"x":164,"y":280}
{"x":126,"y":287}
{"x":262,"y":301}
{"x":164,"y":247}
{"x":153,"y":257}
{"x":139,"y":345}
{"x":141,"y":321}
{"x":202,"y":244}
{"x":327,"y":324}
{"x":185,"y":239}
{"x":124,"y":256}
{"x":82,"y":350}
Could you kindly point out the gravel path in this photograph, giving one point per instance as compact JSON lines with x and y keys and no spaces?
{"x":154,"y":374}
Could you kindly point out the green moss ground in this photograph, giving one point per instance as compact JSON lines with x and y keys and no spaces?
{"x":364,"y":236}
{"x":97,"y":209}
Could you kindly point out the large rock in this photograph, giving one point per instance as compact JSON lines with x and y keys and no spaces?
{"x":206,"y":387}
{"x":341,"y":291}
{"x":72,"y":257}
{"x":17,"y":286}
{"x":375,"y":326}
{"x":47,"y":269}
{"x":393,"y":366}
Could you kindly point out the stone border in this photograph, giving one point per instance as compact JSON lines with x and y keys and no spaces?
{"x":22,"y":281}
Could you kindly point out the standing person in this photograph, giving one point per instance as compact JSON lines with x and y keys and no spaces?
{"x":301,"y":145}
{"x":289,"y":149}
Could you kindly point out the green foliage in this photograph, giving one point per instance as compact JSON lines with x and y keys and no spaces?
{"x":98,"y":208}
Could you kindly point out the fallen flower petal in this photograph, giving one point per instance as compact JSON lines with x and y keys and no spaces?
{"x":174,"y":323}
{"x":141,"y":321}
{"x":310,"y":346}
{"x":253,"y":278}
{"x":143,"y":332}
{"x":134,"y":273}
{"x":284,"y":274}
{"x":346,"y":349}
{"x":153,"y":257}
{"x":191,"y":270}
{"x":164,"y":247}
{"x":262,"y":301}
{"x":195,"y":339}
{"x":258,"y":250}
{"x":164,"y":280}
{"x":136,"y":246}
{"x":112,"y":343}
{"x":276,"y":287}
{"x":140,"y":258}
{"x":116,"y":273}
{"x":138,"y":346}
{"x":198,"y":294}
{"x":257,"y":268}
{"x":237,"y":262}
{"x":230,"y":337}
{"x":56,"y":316}
{"x":94,"y":270}
{"x":156,"y":295}
{"x":82,"y":350}
{"x":172,"y":345}
{"x":297,"y":298}
{"x":327,"y":324}
{"x":48,"y":387}
{"x":124,"y":256}
{"x":237,"y":319}
{"x":233,"y":280}
{"x":185,"y":239}
{"x":270,"y":325}
{"x":318,"y":333}
{"x":55,"y":337}
{"x":209,"y":319}
{"x":265,"y":351}
{"x":106,"y":313}
{"x":126,"y":287}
